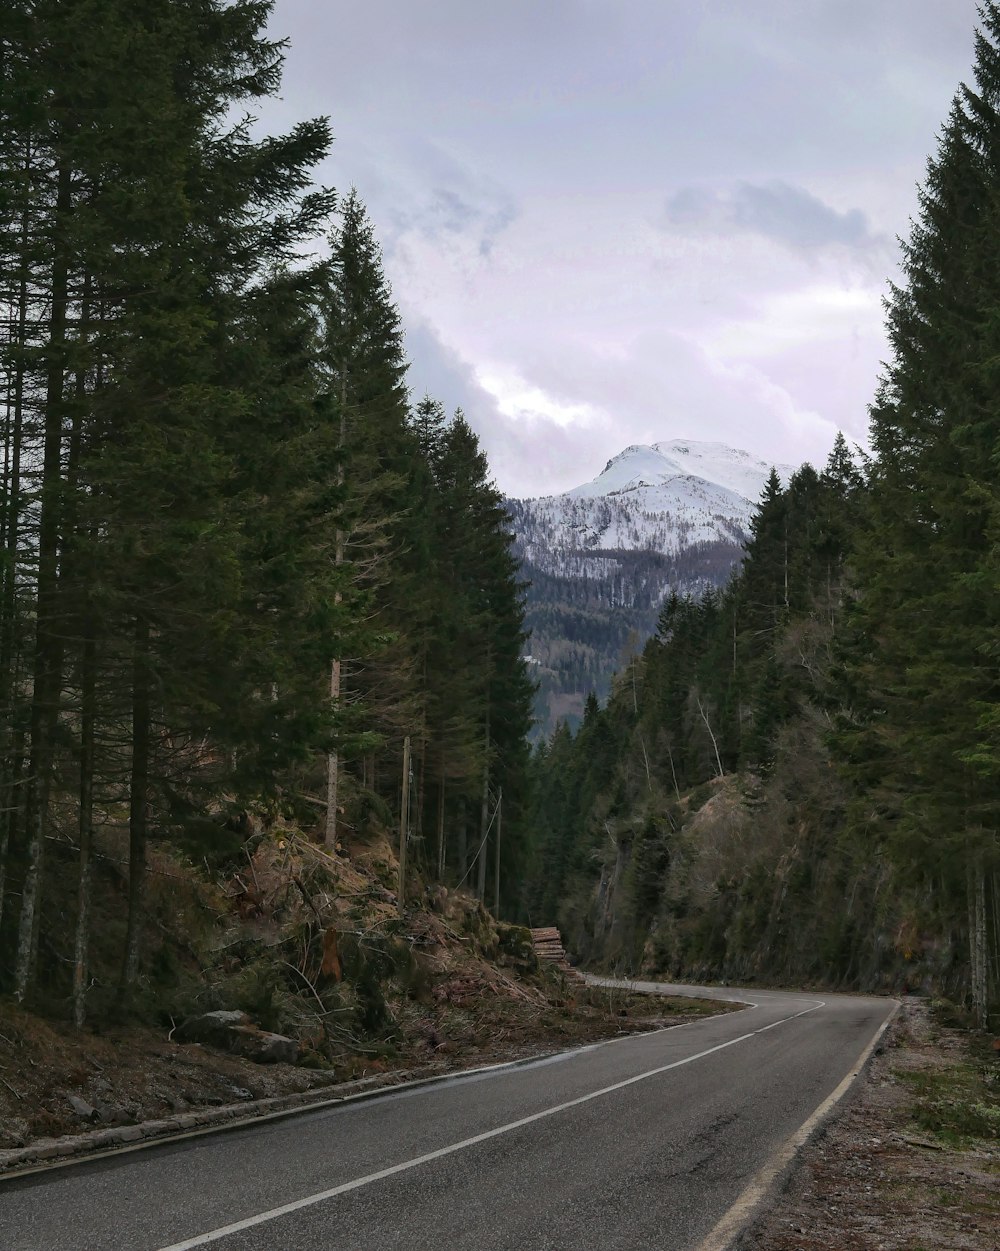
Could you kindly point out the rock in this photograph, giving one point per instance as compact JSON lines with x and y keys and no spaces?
{"x":234,"y":1031}
{"x":129,"y":1133}
{"x":257,"y":1044}
{"x":108,"y":1114}
{"x":211,"y":1027}
{"x":83,"y":1109}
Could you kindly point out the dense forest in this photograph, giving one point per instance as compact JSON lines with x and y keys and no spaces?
{"x":799,"y":778}
{"x":585,"y":623}
{"x":240,"y":573}
{"x":244,"y":578}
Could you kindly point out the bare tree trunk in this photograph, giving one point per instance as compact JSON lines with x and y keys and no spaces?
{"x":978,"y":971}
{"x":981,"y":979}
{"x":88,"y":699}
{"x":332,"y":767}
{"x":645,"y":759}
{"x":138,"y":820}
{"x":10,"y":756}
{"x":715,"y":745}
{"x":496,"y":864}
{"x":86,"y":826}
{"x":48,"y":650}
{"x":404,"y":824}
{"x":333,"y":758}
{"x":994,"y":947}
{"x":673,"y":773}
{"x":8,"y":823}
{"x":484,"y":820}
{"x":440,"y":828}
{"x":463,"y":844}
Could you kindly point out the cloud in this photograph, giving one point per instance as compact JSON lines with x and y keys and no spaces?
{"x":451,"y":213}
{"x":424,"y":190}
{"x":548,"y":285}
{"x":524,"y":433}
{"x":776,"y":210}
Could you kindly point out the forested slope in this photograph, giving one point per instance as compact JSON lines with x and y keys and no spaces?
{"x":799,"y":778}
{"x":241,"y":578}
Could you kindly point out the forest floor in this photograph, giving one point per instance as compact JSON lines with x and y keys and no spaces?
{"x":912,"y":1163}
{"x":55,"y":1082}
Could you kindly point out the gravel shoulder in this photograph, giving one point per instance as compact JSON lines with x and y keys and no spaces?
{"x":911,"y":1163}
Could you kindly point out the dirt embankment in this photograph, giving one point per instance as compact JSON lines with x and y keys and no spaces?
{"x":912,"y":1163}
{"x":313,"y":960}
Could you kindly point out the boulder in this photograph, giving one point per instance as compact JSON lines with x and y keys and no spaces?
{"x":257,"y":1044}
{"x":213,"y":1028}
{"x":235,"y":1032}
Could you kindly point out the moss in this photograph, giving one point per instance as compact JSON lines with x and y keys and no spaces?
{"x":959,"y":1104}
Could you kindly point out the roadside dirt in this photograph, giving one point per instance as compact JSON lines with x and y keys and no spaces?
{"x":912,"y":1163}
{"x":55,"y":1082}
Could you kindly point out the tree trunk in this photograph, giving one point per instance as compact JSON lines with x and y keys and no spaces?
{"x":340,"y":545}
{"x":981,"y":993}
{"x":484,"y":828}
{"x":138,"y":820}
{"x":440,"y":828}
{"x":462,"y":868}
{"x":715,"y":745}
{"x":404,"y":824}
{"x":332,"y":768}
{"x":10,"y":757}
{"x":48,"y":649}
{"x":496,"y":863}
{"x":86,"y":826}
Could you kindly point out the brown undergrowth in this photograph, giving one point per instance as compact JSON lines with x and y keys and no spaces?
{"x":314,"y":947}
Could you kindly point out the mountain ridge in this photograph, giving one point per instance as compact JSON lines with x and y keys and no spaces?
{"x":602,"y":556}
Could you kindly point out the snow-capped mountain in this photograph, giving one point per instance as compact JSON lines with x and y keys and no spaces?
{"x":663,"y":497}
{"x":602,"y":557}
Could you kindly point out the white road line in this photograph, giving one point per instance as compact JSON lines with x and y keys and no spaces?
{"x":725,"y":1233}
{"x":309,"y":1201}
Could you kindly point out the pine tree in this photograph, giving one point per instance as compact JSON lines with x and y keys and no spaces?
{"x":926,"y":565}
{"x":157,"y":219}
{"x":365,"y":369}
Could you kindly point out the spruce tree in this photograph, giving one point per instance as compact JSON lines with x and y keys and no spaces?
{"x":156,"y":217}
{"x":925,"y":566}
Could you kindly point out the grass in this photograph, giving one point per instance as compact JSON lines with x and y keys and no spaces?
{"x":960,"y":1104}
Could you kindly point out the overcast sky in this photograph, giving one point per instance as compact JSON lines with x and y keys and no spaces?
{"x":622,"y":221}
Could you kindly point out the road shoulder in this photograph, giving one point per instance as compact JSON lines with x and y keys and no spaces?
{"x":877,"y":1180}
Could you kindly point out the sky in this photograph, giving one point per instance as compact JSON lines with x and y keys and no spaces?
{"x":609,"y":222}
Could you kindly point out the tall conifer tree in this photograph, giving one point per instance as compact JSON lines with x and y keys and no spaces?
{"x":926,"y":566}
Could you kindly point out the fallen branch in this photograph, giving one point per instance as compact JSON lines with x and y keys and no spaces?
{"x":315,"y":992}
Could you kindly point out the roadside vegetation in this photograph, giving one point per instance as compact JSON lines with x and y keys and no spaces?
{"x":959,"y":1102}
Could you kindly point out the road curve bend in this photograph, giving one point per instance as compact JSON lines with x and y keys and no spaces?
{"x":665,"y":1140}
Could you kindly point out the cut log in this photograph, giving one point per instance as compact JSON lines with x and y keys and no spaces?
{"x":548,"y":946}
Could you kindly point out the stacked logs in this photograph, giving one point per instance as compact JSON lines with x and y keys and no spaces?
{"x":548,"y":946}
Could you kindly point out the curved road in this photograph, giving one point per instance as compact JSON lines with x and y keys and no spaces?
{"x":643,"y":1142}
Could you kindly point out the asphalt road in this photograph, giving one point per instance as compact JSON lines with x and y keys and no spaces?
{"x":644,"y":1142}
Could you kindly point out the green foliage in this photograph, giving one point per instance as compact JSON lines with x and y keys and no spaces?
{"x":215,"y":495}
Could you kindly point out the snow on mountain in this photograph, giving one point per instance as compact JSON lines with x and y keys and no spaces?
{"x":598,"y":560}
{"x":661,"y":497}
